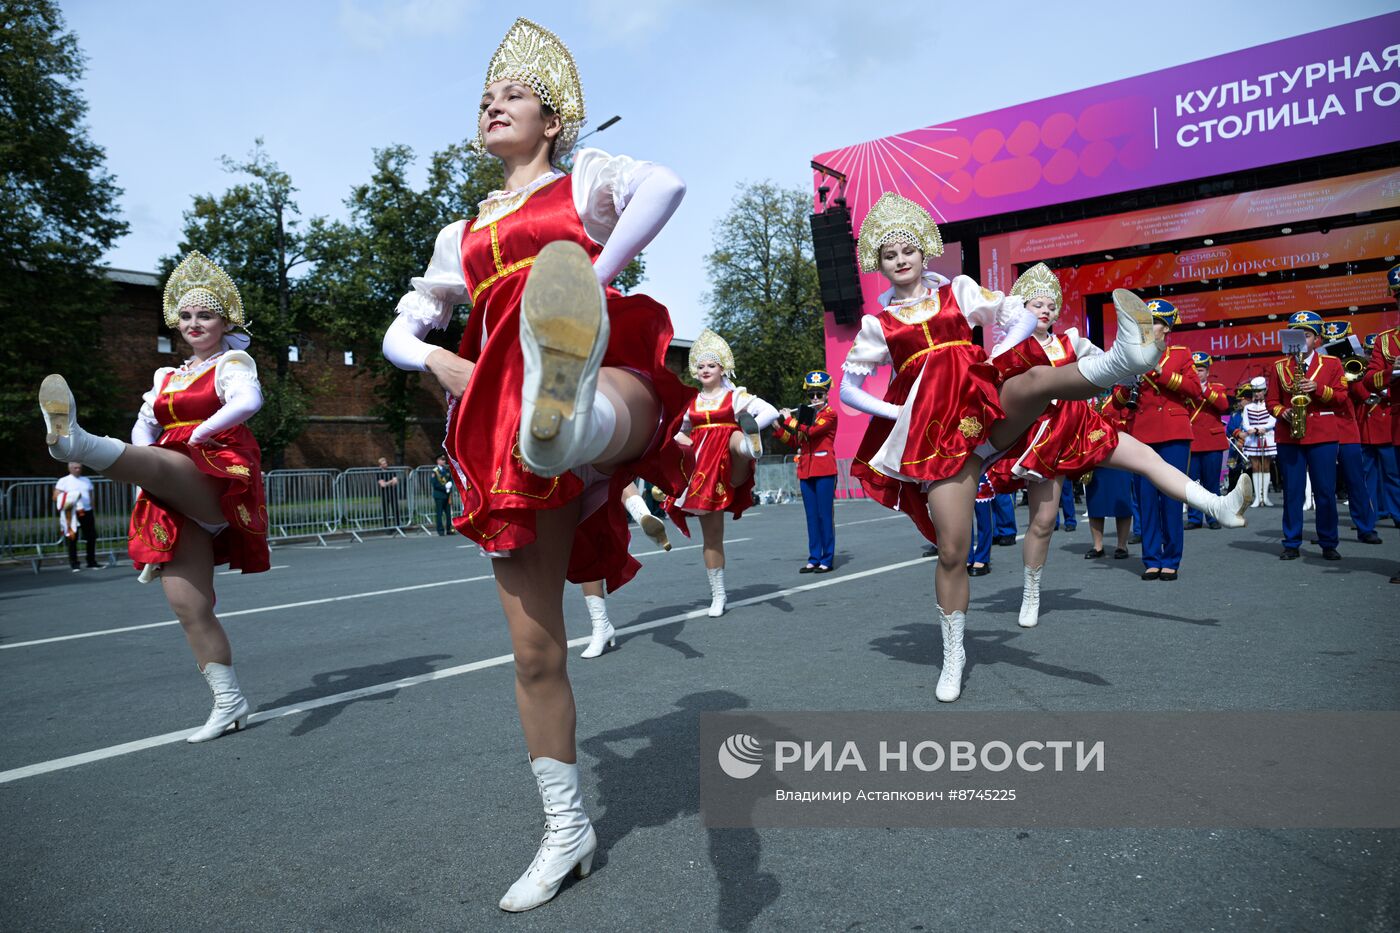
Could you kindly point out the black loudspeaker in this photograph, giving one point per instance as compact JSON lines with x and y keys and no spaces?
{"x":834,"y":247}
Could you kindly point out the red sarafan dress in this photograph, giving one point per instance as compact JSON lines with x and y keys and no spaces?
{"x":708,"y":466}
{"x":492,"y":256}
{"x":1070,"y":438}
{"x":944,"y":387}
{"x":179,"y":402}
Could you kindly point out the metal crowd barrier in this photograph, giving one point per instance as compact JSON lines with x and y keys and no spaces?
{"x":30,"y":521}
{"x":775,"y":481}
{"x":302,"y":503}
{"x":847,"y":486}
{"x":366,"y":506}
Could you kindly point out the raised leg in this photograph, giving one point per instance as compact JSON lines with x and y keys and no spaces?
{"x":172,"y":478}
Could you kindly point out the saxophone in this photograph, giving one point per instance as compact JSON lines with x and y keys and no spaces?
{"x":1298,"y":424}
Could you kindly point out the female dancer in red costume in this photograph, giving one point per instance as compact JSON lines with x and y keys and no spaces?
{"x":560,"y":394}
{"x":941,"y":416}
{"x":720,"y":434}
{"x":1072,"y":437}
{"x":198,"y":466}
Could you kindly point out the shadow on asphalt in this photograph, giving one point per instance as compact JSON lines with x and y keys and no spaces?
{"x":1067,"y":601}
{"x":351,"y":678}
{"x":923,"y":644}
{"x":659,"y":784}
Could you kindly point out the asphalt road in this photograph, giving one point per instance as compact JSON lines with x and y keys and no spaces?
{"x":384,"y":784}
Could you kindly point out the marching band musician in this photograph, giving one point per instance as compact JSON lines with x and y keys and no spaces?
{"x":1377,"y":451}
{"x":1162,"y":420}
{"x":1382,"y":372}
{"x":812,"y":430}
{"x":1305,"y":394}
{"x":1209,"y":443}
{"x":1360,"y":504}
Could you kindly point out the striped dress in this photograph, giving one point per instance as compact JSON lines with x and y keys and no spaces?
{"x":1257,"y":417}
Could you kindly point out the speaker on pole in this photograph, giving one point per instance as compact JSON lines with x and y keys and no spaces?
{"x":838,"y":273}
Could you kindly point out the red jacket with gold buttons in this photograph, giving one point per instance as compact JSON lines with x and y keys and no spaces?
{"x":1165,"y":399}
{"x":816,"y":444}
{"x":1205,"y":418}
{"x":1385,"y":357}
{"x":1326,"y":401}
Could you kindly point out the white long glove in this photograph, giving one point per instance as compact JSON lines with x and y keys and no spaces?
{"x":853,"y":395}
{"x":655,"y":194}
{"x":242,"y":401}
{"x":404,"y":345}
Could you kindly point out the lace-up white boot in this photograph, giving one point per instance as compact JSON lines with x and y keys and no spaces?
{"x":603,"y":632}
{"x":569,"y":841}
{"x":1135,"y":349}
{"x":950,"y":681}
{"x":717,"y":594}
{"x":1228,"y":509}
{"x":231,"y":707}
{"x":66,"y":439}
{"x":563,"y":334}
{"x":1030,"y":597}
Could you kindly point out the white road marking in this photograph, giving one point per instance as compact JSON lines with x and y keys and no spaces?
{"x":169,"y":738}
{"x":225,"y":573}
{"x":866,"y":521}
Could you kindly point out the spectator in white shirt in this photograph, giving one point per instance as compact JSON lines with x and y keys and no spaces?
{"x":72,"y":496}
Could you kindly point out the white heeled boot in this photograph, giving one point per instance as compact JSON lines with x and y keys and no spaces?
{"x":603,"y":632}
{"x":1228,"y":509}
{"x":717,"y":594}
{"x":950,"y":681}
{"x":1265,"y":481}
{"x":653,"y":527}
{"x":65,"y":437}
{"x":1030,"y":597}
{"x":1258,"y":484}
{"x":569,"y":841}
{"x":748,"y":426}
{"x":1135,"y":350}
{"x":563,"y":334}
{"x":230,"y":705}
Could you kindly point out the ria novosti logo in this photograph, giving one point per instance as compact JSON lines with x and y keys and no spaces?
{"x":741,"y":756}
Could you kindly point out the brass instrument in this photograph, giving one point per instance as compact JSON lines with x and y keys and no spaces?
{"x":1298,"y":424}
{"x":1354,"y":367}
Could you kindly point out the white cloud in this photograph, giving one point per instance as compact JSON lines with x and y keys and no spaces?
{"x":374,"y":24}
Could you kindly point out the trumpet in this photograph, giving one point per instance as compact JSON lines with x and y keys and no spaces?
{"x":1354,"y":367}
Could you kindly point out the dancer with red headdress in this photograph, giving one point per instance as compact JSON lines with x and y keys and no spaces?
{"x":560,"y":393}
{"x":198,"y":466}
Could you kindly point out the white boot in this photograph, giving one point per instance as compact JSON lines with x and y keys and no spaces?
{"x":748,"y":426}
{"x":717,"y":594}
{"x":1134,"y":351}
{"x":1263,"y":489}
{"x":1265,"y":481}
{"x":230,"y":705}
{"x":603,"y":631}
{"x":66,"y":439}
{"x":653,"y":527}
{"x":563,"y":334}
{"x":1030,"y":597}
{"x":569,"y":841}
{"x":1228,"y":509}
{"x":950,"y":681}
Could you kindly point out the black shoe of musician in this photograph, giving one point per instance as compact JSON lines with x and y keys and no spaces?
{"x":1120,"y":553}
{"x":979,"y":571}
{"x":1192,"y":526}
{"x":1330,"y":553}
{"x":808,"y":569}
{"x":1212,"y":524}
{"x":1289,"y":553}
{"x":1371,"y":538}
{"x":1169,"y":576}
{"x":1093,"y":553}
{"x":822,"y":568}
{"x":1004,"y":540}
{"x":1153,"y":574}
{"x":1135,"y":539}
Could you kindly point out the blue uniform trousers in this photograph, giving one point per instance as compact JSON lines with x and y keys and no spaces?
{"x":1296,"y":462}
{"x":1004,"y":509}
{"x":818,"y":500}
{"x":1162,"y":524}
{"x":1360,"y":503}
{"x":1205,"y":469}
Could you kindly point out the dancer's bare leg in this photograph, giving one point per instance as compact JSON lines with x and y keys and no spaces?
{"x":188,"y":580}
{"x":1134,"y":456}
{"x":951,"y":507}
{"x":712,"y":532}
{"x":1044,"y":500}
{"x":740,"y":458}
{"x":638,"y":411}
{"x":530,"y":583}
{"x":593,"y":588}
{"x":171,"y":477}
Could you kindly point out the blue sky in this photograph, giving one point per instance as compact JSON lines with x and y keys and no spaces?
{"x":722,"y":92}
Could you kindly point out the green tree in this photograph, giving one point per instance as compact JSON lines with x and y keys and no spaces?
{"x":363,"y":266}
{"x":58,"y":215}
{"x":254,"y":231}
{"x":764,"y":297}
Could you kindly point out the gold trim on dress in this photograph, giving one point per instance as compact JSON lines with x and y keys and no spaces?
{"x":929,"y":349}
{"x":494,"y":278}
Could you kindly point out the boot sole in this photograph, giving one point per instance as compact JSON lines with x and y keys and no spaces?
{"x":55,"y":401}
{"x":655,"y":529}
{"x":562,"y":310}
{"x":1130,"y":302}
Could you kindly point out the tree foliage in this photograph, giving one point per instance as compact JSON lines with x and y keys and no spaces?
{"x":254,"y":231}
{"x":58,"y":215}
{"x":764,"y":296}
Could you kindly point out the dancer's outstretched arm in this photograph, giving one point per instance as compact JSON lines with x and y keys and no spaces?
{"x":624,"y":204}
